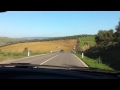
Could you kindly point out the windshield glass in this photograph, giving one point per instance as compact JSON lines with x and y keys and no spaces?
{"x":61,"y":38}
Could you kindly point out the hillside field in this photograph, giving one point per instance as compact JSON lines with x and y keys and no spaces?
{"x":45,"y":46}
{"x":90,"y":40}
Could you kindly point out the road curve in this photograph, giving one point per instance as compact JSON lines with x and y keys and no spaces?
{"x":57,"y":59}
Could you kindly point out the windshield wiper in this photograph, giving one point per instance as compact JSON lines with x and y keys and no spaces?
{"x":29,"y":65}
{"x":20,"y":65}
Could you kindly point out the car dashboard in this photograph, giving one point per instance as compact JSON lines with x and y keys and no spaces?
{"x":45,"y":73}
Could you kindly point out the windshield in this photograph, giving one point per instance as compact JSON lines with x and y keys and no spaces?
{"x":61,"y":38}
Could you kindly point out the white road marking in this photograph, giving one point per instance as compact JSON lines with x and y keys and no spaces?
{"x":48,"y":60}
{"x":81,"y":61}
{"x":20,"y":59}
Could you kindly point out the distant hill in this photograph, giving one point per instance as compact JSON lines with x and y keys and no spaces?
{"x":4,"y":40}
{"x":31,"y":38}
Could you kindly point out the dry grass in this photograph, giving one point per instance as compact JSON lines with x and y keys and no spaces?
{"x":84,"y":48}
{"x":45,"y":46}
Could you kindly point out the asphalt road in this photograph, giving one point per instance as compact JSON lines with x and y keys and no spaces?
{"x":56,"y":59}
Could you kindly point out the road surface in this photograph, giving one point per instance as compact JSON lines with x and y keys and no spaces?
{"x":57,"y":59}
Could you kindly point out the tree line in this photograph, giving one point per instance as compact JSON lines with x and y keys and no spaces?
{"x":108,"y":38}
{"x":107,"y":47}
{"x":48,"y":39}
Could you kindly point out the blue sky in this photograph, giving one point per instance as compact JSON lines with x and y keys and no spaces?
{"x":56,"y":23}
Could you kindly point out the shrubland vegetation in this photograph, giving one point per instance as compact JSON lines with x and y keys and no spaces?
{"x":107,"y":47}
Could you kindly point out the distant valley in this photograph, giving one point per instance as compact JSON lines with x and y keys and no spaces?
{"x":4,"y":40}
{"x":31,"y":38}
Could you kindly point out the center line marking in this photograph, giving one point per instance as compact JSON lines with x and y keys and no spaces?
{"x":48,"y":60}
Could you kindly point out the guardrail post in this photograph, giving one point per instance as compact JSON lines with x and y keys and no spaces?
{"x":28,"y":53}
{"x":82,"y":55}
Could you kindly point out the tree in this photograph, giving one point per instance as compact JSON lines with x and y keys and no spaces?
{"x":25,"y":49}
{"x":104,"y":37}
{"x":117,"y":33}
{"x":78,"y":46}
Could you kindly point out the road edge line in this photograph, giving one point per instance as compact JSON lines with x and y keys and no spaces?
{"x":81,"y":61}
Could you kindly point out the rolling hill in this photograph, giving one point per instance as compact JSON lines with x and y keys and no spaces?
{"x":4,"y":40}
{"x":45,"y":46}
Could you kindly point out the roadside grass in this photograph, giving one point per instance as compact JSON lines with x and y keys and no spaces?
{"x":90,"y":40}
{"x":15,"y":55}
{"x":109,"y":55}
{"x":94,"y":63}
